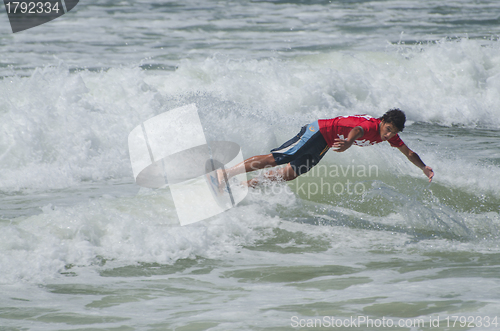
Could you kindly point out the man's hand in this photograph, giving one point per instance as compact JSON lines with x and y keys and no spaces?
{"x":341,"y":145}
{"x":428,"y":172}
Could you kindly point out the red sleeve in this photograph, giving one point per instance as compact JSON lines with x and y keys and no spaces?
{"x":396,"y":141}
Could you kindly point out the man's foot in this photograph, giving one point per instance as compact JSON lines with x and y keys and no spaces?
{"x":216,"y":181}
{"x":221,"y":178}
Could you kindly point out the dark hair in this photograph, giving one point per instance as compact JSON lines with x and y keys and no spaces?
{"x":395,"y":116}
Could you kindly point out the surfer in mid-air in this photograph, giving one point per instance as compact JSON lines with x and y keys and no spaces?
{"x":308,"y":147}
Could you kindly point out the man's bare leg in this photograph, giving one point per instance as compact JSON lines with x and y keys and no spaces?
{"x":286,"y":173}
{"x":251,"y":164}
{"x":260,"y":162}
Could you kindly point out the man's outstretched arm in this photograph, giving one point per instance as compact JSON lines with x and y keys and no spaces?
{"x":415,"y":159}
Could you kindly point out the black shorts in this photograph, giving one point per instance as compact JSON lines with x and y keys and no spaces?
{"x":303,"y":151}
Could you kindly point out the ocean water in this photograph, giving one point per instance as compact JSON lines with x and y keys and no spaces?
{"x":363,"y":242}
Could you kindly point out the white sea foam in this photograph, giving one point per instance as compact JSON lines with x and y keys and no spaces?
{"x":82,"y":247}
{"x":121,"y":231}
{"x":61,"y":128}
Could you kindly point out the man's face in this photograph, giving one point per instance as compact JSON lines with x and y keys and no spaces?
{"x":387,"y":130}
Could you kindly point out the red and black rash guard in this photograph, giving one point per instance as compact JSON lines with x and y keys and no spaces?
{"x":339,"y":127}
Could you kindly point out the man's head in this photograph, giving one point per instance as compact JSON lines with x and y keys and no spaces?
{"x":393,"y":122}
